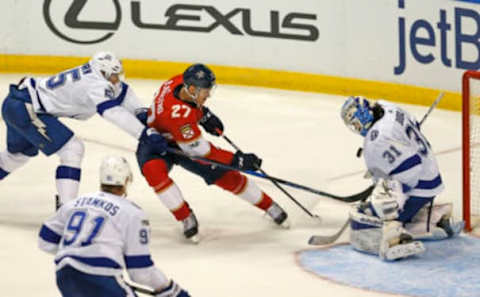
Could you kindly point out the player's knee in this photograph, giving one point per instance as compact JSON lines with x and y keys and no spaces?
{"x":156,"y":174}
{"x":232,"y":181}
{"x":71,"y":154}
{"x":9,"y":162}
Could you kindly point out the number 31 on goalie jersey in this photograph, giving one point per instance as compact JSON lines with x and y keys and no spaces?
{"x":413,"y":133}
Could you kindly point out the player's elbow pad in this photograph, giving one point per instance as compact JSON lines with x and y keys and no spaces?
{"x":151,"y":277}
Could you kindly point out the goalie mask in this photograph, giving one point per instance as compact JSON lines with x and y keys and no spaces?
{"x":357,"y":115}
{"x":115,"y":171}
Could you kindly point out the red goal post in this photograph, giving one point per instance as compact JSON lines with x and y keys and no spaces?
{"x":471,"y":147}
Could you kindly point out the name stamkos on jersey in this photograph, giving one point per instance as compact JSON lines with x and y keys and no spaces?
{"x":187,"y":131}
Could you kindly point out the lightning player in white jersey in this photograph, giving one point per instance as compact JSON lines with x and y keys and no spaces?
{"x":400,"y":160}
{"x":96,"y":236}
{"x":32,"y":108}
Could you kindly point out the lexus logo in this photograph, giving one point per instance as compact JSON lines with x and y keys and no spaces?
{"x":285,"y":25}
{"x":72,"y":21}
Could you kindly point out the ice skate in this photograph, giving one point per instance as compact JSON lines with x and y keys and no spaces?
{"x":278,"y":215}
{"x":450,"y":227}
{"x":190,"y":228}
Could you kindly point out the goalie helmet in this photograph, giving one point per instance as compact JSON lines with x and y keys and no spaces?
{"x":107,"y":64}
{"x":199,"y":75}
{"x":357,"y":114}
{"x":115,"y":171}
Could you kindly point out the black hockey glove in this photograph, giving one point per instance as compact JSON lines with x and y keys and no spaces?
{"x":151,"y":137}
{"x":142,"y":114}
{"x":210,"y":122}
{"x":246,"y":161}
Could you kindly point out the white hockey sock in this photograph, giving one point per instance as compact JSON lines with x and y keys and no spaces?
{"x":67,"y":181}
{"x":67,"y":189}
{"x":251,"y":192}
{"x":10,"y":162}
{"x":171,"y":197}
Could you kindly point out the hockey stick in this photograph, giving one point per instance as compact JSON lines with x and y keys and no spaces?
{"x":328,"y":239}
{"x":352,"y":198}
{"x":275,"y":183}
{"x":434,"y":104}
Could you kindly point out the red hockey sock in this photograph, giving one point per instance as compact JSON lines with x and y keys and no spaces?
{"x":265,"y":203}
{"x":232,"y":181}
{"x":182,"y":212}
{"x":156,"y":174}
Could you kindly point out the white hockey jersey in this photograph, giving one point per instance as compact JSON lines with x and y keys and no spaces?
{"x":395,"y":148}
{"x":101,"y":233}
{"x":81,"y":92}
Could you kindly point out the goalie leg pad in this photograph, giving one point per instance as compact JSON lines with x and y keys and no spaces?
{"x":384,"y":238}
{"x":403,"y":250}
{"x":365,"y":232}
{"x":397,"y":243}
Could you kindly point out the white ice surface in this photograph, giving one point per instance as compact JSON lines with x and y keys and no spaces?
{"x":300,"y":137}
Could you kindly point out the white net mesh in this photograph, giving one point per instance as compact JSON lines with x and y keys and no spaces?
{"x":474,"y":149}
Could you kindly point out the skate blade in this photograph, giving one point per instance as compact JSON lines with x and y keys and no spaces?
{"x":285,"y":224}
{"x":195,"y":239}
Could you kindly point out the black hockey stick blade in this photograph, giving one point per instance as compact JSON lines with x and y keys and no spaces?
{"x":362,"y":196}
{"x":328,"y":239}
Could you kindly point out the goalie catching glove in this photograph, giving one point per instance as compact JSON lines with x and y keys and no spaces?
{"x":385,"y":200}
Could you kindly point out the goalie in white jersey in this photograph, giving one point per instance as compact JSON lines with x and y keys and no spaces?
{"x":401,"y":162}
{"x":96,"y":236}
{"x":32,"y":108}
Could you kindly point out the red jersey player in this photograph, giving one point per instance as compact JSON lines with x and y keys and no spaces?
{"x":177,"y":112}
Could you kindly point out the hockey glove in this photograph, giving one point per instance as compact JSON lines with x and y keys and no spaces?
{"x":142,"y":114}
{"x":246,"y":161}
{"x":151,"y":137}
{"x":173,"y":290}
{"x":210,"y":122}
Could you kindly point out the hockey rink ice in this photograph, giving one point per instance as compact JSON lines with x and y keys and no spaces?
{"x":300,"y":137}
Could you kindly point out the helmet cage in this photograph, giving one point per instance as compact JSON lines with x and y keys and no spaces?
{"x":356,"y":115}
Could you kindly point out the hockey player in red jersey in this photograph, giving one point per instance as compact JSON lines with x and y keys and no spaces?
{"x":177,"y":112}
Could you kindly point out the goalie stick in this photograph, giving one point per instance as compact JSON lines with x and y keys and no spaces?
{"x":328,"y":239}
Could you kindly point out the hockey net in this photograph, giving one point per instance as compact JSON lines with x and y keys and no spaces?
{"x":471,"y":149}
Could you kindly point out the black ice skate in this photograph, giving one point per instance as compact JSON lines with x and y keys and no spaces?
{"x":278,"y":215}
{"x":451,"y":228}
{"x":190,"y":228}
